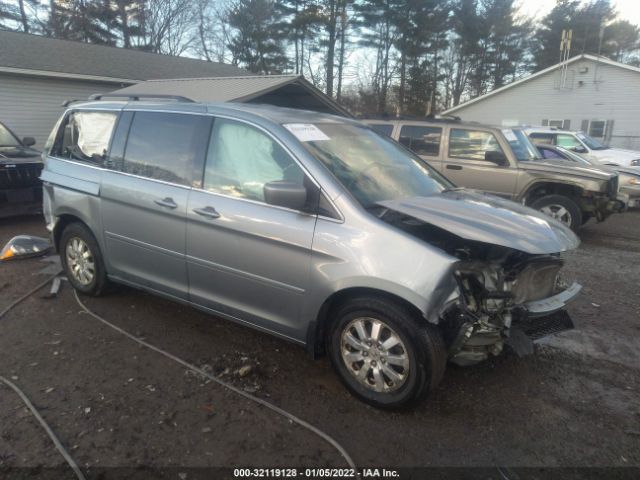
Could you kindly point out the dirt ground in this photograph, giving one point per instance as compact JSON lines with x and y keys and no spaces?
{"x":575,"y":403}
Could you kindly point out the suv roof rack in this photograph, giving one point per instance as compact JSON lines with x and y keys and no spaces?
{"x":138,"y":96}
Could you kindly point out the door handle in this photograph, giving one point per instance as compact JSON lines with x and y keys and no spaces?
{"x":167,"y":202}
{"x":208,"y":212}
{"x":454,"y":167}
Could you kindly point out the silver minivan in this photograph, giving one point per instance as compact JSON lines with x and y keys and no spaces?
{"x":308,"y":226}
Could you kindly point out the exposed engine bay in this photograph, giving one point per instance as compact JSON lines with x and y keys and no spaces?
{"x":506,"y":296}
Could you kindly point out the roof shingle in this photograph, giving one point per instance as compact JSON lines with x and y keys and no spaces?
{"x":34,"y":52}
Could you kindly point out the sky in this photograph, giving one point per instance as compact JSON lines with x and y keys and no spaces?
{"x":627,"y":9}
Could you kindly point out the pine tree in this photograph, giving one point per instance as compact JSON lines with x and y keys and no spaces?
{"x":256,"y":42}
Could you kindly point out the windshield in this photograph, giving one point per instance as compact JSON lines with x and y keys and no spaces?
{"x":7,"y":139}
{"x":591,"y":142}
{"x":371,"y":166}
{"x":522,"y":147}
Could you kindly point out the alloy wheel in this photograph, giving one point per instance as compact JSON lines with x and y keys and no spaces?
{"x":80,"y":261}
{"x":374,"y":354}
{"x":558,"y":212}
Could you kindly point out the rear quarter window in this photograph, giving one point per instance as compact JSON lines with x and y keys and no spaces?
{"x":383,"y":128}
{"x":422,"y":140}
{"x":84,"y":136}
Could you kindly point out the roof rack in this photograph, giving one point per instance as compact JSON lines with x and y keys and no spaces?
{"x":66,"y":103}
{"x":138,"y":96}
{"x":427,"y":118}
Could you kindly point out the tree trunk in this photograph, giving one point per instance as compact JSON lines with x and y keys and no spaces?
{"x":343,"y":31}
{"x":126,"y":35}
{"x":331,"y":47}
{"x":403,"y":82}
{"x":23,"y":17}
{"x":54,"y":21}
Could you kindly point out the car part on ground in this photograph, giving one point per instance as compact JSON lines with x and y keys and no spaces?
{"x":313,"y":242}
{"x":502,"y":161}
{"x":20,"y":167}
{"x":25,"y":246}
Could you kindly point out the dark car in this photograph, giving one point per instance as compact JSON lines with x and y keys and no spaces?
{"x":20,"y":167}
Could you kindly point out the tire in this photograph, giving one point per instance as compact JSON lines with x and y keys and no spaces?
{"x":560,"y":206}
{"x":76,"y":239}
{"x":421,"y":347}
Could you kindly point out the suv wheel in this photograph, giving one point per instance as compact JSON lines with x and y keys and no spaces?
{"x":82,"y":260}
{"x":381,"y":353}
{"x":561,"y":208}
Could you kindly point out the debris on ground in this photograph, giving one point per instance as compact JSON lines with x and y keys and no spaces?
{"x":55,"y":288}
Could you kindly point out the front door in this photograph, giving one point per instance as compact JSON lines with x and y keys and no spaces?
{"x":245,"y":258}
{"x":465,"y":162}
{"x":144,"y":198}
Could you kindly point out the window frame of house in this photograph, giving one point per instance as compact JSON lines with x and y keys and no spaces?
{"x":604,"y":129}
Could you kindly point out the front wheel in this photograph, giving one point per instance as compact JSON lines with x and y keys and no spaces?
{"x":383,"y":355}
{"x":562,"y":208}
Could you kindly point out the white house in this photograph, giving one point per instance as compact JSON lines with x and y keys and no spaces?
{"x":589,"y":93}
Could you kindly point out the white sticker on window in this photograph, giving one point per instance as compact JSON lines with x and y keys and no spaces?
{"x":509,"y":135}
{"x":306,"y":132}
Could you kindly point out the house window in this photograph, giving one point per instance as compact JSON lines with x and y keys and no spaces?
{"x":597,"y":128}
{"x":556,"y":123}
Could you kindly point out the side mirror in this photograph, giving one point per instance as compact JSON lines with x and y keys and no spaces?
{"x":28,"y":141}
{"x":579,"y":149}
{"x":285,"y":194}
{"x":497,"y":157}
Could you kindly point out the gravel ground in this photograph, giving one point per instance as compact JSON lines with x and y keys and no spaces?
{"x":575,"y":403}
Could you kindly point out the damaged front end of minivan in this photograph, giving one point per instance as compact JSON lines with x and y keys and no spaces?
{"x":509,"y":285}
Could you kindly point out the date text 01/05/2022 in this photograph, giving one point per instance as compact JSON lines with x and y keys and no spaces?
{"x":314,"y":473}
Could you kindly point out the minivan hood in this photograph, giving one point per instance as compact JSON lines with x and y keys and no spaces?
{"x":567,"y":168}
{"x":473,"y":215}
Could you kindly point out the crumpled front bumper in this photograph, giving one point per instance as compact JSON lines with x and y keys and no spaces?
{"x":552,"y":304}
{"x":606,"y":207}
{"x":541,"y":318}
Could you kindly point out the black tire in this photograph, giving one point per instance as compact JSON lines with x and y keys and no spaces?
{"x":99,"y":283}
{"x":560,"y":200}
{"x":424,"y":346}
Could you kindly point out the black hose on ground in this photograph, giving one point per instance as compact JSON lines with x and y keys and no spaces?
{"x":178,"y":360}
{"x":25,"y":399}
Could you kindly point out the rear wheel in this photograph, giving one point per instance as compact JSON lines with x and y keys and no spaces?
{"x":82,"y":260}
{"x":381,"y":353}
{"x":562,"y":208}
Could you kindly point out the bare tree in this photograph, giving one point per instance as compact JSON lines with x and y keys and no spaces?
{"x":168,"y":26}
{"x":212,"y":29}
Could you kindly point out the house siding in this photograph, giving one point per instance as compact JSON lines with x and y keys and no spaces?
{"x":607,"y":93}
{"x":30,"y":106}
